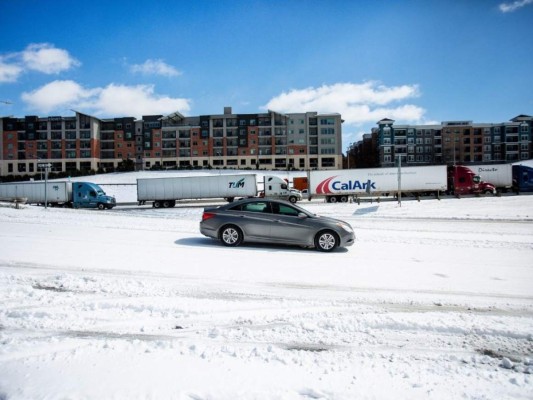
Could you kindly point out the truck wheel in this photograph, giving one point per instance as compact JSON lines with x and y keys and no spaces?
{"x":332,"y":199}
{"x":166,"y":204}
{"x":488,"y":191}
{"x":344,"y":199}
{"x":101,"y":206}
{"x":156,"y":204}
{"x":293,"y":199}
{"x":326,"y":241}
{"x":231,"y":235}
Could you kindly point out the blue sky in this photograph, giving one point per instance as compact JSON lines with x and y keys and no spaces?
{"x":413,"y":61}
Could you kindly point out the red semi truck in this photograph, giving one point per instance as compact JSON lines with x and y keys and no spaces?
{"x":462,"y":180}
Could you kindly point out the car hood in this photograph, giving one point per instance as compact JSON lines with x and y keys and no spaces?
{"x":329,"y":219}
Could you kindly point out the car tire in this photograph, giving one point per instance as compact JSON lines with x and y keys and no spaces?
{"x":231,"y":236}
{"x":326,"y":241}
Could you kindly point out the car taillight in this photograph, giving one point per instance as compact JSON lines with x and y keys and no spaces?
{"x":207,"y":215}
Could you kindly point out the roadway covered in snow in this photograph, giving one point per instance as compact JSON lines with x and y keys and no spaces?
{"x":434,"y":300}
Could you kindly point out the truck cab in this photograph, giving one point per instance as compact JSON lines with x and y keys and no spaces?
{"x":522,"y":178}
{"x":275,"y":187}
{"x":462,"y":180}
{"x":90,"y":195}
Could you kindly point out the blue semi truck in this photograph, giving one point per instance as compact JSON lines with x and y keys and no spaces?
{"x":522,"y":178}
{"x":58,"y":193}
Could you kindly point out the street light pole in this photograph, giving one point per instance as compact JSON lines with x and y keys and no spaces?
{"x":46,"y":167}
{"x":399,"y":179}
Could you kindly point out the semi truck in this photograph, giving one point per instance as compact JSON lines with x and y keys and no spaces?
{"x":58,"y":193}
{"x":500,"y":175}
{"x":340,"y":185}
{"x":164,"y":192}
{"x":462,"y":180}
{"x":522,"y":178}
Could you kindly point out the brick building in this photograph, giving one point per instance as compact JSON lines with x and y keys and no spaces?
{"x":450,"y":142}
{"x":82,"y":142}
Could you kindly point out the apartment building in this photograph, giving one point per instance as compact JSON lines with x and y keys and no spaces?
{"x":268,"y":140}
{"x":450,"y":142}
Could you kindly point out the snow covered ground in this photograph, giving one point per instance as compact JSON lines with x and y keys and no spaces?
{"x":434,"y":300}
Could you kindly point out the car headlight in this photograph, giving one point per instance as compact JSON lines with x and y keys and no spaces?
{"x":344,"y":226}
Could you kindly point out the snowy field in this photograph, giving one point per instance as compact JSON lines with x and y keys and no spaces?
{"x":434,"y":300}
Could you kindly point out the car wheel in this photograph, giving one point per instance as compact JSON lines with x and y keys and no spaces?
{"x":326,"y":241}
{"x":231,"y":235}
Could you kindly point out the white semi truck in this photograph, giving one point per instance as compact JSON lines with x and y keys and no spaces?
{"x":164,"y":192}
{"x":58,"y":193}
{"x":340,"y":185}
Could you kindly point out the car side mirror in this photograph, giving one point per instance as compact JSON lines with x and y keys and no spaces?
{"x":302,"y":215}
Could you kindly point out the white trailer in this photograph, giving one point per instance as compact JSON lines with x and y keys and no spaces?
{"x":34,"y":192}
{"x":164,"y":192}
{"x":339,"y":185}
{"x":500,"y":175}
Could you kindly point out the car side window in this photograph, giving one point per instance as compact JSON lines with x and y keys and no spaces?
{"x":283,"y":209}
{"x":255,"y":207}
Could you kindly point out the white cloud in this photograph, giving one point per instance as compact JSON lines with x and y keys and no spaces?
{"x":515,"y":5}
{"x":155,"y":67}
{"x":136,"y":101}
{"x":40,"y":57}
{"x":9,"y":72}
{"x":110,"y":101}
{"x":55,"y":95}
{"x":45,"y":58}
{"x":357,"y":103}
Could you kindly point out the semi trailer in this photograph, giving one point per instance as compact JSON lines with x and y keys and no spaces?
{"x":340,"y":185}
{"x":500,"y":175}
{"x":164,"y":192}
{"x":58,"y":193}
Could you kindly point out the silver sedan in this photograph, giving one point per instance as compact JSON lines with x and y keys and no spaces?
{"x":276,"y":222}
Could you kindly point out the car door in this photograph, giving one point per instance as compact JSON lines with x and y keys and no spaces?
{"x":255,"y":220}
{"x":288,"y":227}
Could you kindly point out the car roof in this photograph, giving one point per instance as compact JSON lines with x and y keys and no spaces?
{"x":259,"y":200}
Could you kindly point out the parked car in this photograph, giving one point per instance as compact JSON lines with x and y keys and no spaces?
{"x":276,"y":222}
